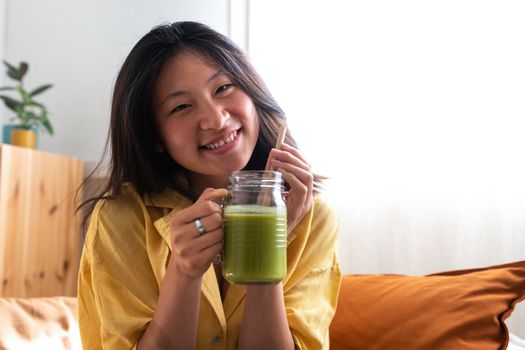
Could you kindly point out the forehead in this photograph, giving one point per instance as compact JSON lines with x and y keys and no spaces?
{"x":182,"y":71}
{"x":187,"y":63}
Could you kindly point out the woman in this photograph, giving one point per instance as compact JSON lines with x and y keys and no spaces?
{"x":188,"y":109}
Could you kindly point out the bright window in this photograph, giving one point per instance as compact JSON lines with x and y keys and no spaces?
{"x":416,"y":109}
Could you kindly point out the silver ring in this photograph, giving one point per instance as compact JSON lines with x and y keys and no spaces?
{"x":199,"y":226}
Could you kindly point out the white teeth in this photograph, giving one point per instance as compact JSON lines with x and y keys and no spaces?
{"x":222,"y":142}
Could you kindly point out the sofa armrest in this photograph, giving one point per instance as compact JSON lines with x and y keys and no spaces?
{"x":39,"y":323}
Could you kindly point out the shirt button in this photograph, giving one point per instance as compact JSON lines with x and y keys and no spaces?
{"x":216,"y":340}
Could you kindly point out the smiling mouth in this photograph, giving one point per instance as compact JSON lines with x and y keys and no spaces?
{"x":223,"y":142}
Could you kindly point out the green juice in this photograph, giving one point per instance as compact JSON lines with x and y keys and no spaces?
{"x":255,"y":244}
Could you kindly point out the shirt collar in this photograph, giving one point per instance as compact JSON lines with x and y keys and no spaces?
{"x":168,"y":198}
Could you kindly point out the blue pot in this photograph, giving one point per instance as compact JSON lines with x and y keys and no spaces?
{"x":6,"y":132}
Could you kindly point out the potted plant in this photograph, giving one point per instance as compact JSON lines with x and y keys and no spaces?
{"x":30,"y":114}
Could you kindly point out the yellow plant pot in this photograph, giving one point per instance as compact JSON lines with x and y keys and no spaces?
{"x":23,"y":138}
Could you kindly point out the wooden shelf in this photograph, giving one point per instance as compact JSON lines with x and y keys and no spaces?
{"x":39,"y":229}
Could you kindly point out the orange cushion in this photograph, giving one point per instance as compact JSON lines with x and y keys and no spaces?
{"x":449,"y":310}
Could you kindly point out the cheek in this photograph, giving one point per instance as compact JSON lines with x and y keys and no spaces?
{"x":246,"y":108}
{"x":173,"y":134}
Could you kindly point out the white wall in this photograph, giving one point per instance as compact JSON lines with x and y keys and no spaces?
{"x":2,"y":26}
{"x":79,"y":47}
{"x":2,"y":41}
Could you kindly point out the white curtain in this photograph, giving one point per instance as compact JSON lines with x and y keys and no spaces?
{"x":416,"y":109}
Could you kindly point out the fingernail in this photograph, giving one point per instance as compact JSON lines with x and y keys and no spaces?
{"x":276,"y":162}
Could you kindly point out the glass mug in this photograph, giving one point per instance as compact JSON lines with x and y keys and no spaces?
{"x":255,"y":229}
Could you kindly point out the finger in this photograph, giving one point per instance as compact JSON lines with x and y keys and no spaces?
{"x":288,"y":157}
{"x":299,"y":200}
{"x":210,"y":223}
{"x":201,"y":208}
{"x":298,"y":189}
{"x":304,"y":176}
{"x":211,"y":238}
{"x":292,"y":156}
{"x":295,"y":152}
{"x":212,"y":193}
{"x":298,"y":154}
{"x":202,"y":261}
{"x":211,"y":252}
{"x":184,"y":230}
{"x":188,"y":248}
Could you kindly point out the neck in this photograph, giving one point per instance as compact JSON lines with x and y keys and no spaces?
{"x":199,"y":182}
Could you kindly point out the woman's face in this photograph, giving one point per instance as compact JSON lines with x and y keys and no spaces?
{"x":207,"y":124}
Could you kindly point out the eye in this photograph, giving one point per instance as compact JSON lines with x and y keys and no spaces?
{"x":223,"y":88}
{"x":180,"y":108}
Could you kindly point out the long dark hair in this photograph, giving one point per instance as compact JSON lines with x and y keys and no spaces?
{"x":132,"y":135}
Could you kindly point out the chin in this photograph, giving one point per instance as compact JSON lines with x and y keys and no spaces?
{"x":237,"y":167}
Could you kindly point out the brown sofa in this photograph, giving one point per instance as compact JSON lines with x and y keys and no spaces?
{"x":450,"y":310}
{"x":39,"y":323}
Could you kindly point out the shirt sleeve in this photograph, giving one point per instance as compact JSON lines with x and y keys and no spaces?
{"x":311,"y":290}
{"x":114,"y":306}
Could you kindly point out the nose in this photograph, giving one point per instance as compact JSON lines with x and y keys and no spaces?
{"x":213,"y":116}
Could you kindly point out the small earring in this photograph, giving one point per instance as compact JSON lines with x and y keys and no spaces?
{"x":159,"y":148}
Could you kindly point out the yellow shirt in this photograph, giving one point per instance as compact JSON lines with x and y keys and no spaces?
{"x":124,"y":260}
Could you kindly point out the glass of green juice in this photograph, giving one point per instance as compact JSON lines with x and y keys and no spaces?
{"x":255,"y":229}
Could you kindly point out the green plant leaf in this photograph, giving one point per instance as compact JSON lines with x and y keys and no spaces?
{"x":12,"y":71}
{"x":10,"y":103}
{"x":39,"y":105}
{"x":26,"y":118}
{"x":9,"y":65}
{"x":40,"y":89}
{"x":17,"y":73}
{"x":47,"y":125}
{"x":28,"y":112}
{"x":22,"y":70}
{"x":44,"y":120}
{"x":26,"y":99}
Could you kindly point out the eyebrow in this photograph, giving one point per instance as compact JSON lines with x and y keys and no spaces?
{"x":183,"y":92}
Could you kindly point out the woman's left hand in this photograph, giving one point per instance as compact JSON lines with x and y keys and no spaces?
{"x":297,"y":173}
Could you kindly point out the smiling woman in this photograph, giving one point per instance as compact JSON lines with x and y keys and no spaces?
{"x":189,"y":110}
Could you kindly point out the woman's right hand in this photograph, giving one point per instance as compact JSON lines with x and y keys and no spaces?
{"x":192,"y":252}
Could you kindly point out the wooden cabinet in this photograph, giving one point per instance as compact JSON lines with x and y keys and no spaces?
{"x":39,"y":229}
